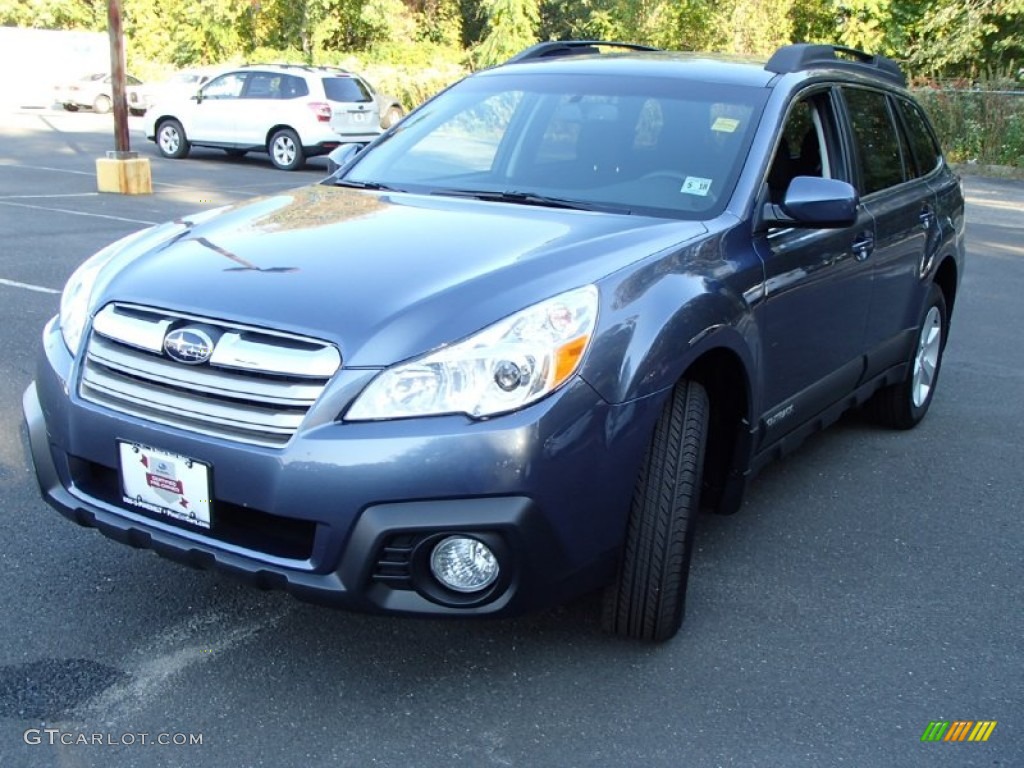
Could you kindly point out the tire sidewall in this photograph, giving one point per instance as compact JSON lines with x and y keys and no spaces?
{"x":182,"y":141}
{"x":292,"y":136}
{"x":935,"y":299}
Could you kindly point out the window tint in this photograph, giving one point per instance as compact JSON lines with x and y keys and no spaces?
{"x":263,"y":85}
{"x":346,"y":89}
{"x":804,"y":145}
{"x":922,"y":143}
{"x":225,"y":87}
{"x":878,"y":148}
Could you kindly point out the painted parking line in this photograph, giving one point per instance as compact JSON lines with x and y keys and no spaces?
{"x":78,"y":213}
{"x":27,"y":286}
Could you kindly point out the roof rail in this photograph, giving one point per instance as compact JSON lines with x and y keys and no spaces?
{"x":553,"y":48}
{"x":801,"y":56}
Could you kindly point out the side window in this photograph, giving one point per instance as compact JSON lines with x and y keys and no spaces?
{"x":922,"y":142}
{"x":225,"y":87}
{"x":293,"y":87}
{"x":263,"y":85}
{"x":803,"y":148}
{"x":878,"y":148}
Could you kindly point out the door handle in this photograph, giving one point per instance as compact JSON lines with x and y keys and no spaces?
{"x":863,"y":246}
{"x":927,"y":217}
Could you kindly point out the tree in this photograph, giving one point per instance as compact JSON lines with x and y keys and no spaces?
{"x":511,"y":27}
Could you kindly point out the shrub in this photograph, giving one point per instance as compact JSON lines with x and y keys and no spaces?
{"x":983,"y":125}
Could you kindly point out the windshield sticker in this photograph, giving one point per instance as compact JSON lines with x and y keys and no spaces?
{"x":695,"y":185}
{"x":725,"y":125}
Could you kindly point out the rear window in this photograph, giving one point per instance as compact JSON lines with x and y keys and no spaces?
{"x":346,"y":89}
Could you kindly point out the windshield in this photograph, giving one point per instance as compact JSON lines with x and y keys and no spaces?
{"x":657,"y":146}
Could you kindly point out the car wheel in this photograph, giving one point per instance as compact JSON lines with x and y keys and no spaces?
{"x":71,"y":107}
{"x":170,"y":139}
{"x":647,"y":599}
{"x":285,"y":150}
{"x":392,"y":116}
{"x":102,"y":104}
{"x":136,"y":112}
{"x":903,"y":405}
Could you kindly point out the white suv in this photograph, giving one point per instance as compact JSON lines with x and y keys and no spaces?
{"x":290,"y":111}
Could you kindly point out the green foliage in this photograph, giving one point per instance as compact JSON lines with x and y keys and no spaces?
{"x":512,"y":26}
{"x":975,"y":125}
{"x":413,"y":48}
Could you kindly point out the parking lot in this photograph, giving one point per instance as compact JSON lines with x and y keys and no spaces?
{"x":870,"y":584}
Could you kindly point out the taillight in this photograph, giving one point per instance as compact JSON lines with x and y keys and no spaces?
{"x":321,"y":109}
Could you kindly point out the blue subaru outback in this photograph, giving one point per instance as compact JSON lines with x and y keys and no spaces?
{"x":506,"y":354}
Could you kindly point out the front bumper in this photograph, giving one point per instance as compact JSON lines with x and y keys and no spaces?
{"x":345,"y":514}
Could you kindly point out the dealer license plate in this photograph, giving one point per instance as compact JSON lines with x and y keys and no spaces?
{"x":165,"y":483}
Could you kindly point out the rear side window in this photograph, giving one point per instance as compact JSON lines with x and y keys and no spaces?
{"x":922,"y":141}
{"x":878,"y":146}
{"x":346,"y":89}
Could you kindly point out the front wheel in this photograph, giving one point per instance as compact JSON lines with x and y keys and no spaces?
{"x":170,"y":139}
{"x":286,"y":150}
{"x":903,"y":405}
{"x":648,"y":598}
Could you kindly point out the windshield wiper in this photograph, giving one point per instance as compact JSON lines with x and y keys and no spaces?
{"x":530,"y":198}
{"x":376,"y":185}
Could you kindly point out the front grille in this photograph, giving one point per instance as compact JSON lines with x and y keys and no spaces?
{"x":256,"y":387}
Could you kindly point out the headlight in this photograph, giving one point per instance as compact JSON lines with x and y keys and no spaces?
{"x":75,"y":301}
{"x":504,"y":367}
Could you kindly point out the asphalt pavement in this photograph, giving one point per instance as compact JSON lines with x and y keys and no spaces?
{"x":871,"y":583}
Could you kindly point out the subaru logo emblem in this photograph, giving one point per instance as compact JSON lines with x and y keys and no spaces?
{"x":188,"y":345}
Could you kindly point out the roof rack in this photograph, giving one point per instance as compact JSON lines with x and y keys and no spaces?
{"x":801,"y":56}
{"x":304,"y":67}
{"x":553,"y":48}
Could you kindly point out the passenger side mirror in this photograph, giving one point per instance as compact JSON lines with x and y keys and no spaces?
{"x":340,"y":157}
{"x":814,"y":203}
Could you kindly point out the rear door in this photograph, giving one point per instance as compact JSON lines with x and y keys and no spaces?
{"x":897,"y":194}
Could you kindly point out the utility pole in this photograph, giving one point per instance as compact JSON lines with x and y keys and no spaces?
{"x":121,"y":171}
{"x":121,"y":141}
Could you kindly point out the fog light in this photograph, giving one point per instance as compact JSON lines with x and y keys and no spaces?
{"x":464,"y":564}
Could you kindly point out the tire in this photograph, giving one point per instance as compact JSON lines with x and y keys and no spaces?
{"x":102,"y":105}
{"x":286,"y":150}
{"x":903,"y":405}
{"x":391,"y":116}
{"x":171,"y":140}
{"x":647,"y":600}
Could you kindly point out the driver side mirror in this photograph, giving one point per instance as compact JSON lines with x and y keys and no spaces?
{"x":812,"y":202}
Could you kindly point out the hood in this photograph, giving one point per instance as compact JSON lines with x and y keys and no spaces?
{"x":385,"y":276}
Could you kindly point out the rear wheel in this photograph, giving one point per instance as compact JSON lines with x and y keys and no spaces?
{"x":102,"y":104}
{"x":286,"y":150}
{"x":170,"y":139}
{"x":647,"y":599}
{"x":903,"y":405}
